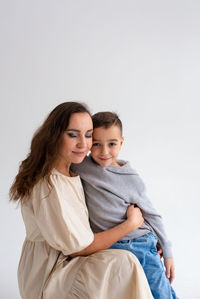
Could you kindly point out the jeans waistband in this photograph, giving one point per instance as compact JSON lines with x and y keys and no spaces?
{"x":150,"y":234}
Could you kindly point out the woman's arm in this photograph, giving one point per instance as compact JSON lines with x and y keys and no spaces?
{"x":107,"y":238}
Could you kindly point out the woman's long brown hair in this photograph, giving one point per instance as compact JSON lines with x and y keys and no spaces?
{"x":44,"y":150}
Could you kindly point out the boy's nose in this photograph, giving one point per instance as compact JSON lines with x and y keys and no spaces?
{"x":104,"y":150}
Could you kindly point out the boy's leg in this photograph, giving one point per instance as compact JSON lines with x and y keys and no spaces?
{"x":145,"y":249}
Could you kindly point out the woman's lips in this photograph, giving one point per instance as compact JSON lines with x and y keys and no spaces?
{"x":80,"y":154}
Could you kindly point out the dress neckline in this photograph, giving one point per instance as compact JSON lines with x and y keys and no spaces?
{"x":55,"y":171}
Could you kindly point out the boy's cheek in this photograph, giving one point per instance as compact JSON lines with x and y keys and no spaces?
{"x":94,"y":151}
{"x":116,"y":153}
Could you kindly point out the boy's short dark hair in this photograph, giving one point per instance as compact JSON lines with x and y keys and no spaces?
{"x":106,"y":119}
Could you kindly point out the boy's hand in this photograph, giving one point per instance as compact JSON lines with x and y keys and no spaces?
{"x":170,"y":269}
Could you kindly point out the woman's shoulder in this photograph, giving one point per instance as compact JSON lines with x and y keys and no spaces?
{"x":55,"y":180}
{"x":55,"y":188}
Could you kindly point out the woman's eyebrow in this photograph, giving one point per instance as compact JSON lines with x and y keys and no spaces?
{"x":75,"y":130}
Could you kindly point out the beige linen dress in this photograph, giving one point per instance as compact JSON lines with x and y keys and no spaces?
{"x":57,"y":225}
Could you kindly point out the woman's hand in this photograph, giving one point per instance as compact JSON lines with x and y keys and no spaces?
{"x":107,"y":238}
{"x":134,"y":217}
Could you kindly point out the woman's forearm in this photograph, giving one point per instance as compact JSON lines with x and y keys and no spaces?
{"x":107,"y":238}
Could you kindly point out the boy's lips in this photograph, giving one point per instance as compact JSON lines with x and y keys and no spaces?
{"x":105,"y":159}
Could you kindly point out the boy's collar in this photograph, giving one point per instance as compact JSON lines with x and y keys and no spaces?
{"x":125,"y":167}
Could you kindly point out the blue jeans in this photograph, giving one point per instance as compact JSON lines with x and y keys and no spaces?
{"x":145,"y":250}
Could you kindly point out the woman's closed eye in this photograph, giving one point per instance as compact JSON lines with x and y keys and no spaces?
{"x":88,"y":135}
{"x":72,"y":135}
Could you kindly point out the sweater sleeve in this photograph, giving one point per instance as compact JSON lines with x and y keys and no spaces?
{"x":153,"y":218}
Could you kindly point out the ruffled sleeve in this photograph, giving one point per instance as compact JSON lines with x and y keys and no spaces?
{"x":61,"y":214}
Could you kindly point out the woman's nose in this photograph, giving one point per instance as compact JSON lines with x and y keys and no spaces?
{"x":82,"y":142}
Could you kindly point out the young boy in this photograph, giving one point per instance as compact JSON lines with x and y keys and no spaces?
{"x":110,"y":186}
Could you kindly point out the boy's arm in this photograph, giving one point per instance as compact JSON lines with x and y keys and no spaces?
{"x":152,"y":217}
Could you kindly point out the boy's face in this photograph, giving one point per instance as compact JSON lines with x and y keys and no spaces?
{"x":107,"y":143}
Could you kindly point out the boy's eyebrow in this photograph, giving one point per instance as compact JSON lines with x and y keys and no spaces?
{"x":75,"y":130}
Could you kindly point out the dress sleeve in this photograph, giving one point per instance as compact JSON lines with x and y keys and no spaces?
{"x":62,"y":216}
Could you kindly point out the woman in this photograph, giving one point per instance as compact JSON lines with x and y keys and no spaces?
{"x":56,"y":220}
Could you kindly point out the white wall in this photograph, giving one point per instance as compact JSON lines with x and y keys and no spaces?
{"x":139,"y":58}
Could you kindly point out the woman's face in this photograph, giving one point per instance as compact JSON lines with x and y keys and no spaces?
{"x":77,"y":139}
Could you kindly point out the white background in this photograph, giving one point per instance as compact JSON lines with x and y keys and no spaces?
{"x":138,"y":58}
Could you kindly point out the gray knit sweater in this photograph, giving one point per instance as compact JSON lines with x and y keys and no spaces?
{"x":109,"y":191}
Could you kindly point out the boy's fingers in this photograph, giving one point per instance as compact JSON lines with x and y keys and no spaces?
{"x":168,"y":273}
{"x":172,"y":276}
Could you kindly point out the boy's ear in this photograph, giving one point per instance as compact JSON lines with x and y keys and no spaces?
{"x":122,"y":141}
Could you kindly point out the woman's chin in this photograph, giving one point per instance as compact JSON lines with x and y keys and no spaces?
{"x":78,"y":160}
